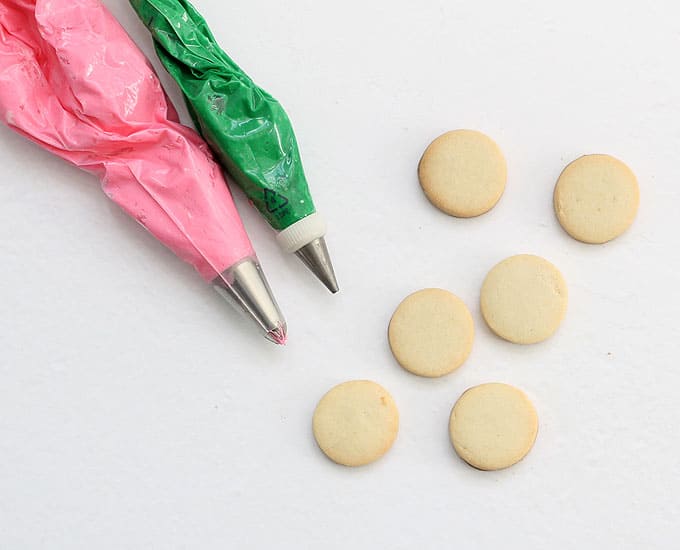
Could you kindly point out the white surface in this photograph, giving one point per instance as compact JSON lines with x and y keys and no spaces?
{"x":137,"y":412}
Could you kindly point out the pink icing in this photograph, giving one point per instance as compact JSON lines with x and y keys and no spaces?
{"x":73,"y":81}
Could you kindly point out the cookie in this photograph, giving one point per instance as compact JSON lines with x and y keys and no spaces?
{"x":596,"y":198}
{"x":493,"y":426}
{"x":356,"y":422}
{"x":524,"y":299}
{"x":431,"y":332}
{"x":463,"y":173}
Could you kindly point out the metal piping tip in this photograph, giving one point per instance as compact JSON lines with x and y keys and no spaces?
{"x":246,"y":288}
{"x":278,"y":335}
{"x":315,"y":256}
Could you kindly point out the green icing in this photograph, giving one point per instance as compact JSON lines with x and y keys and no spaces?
{"x":246,"y":127}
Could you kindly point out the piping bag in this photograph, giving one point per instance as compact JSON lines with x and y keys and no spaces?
{"x":72,"y":81}
{"x":246,"y":127}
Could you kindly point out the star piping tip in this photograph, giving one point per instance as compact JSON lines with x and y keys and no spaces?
{"x":278,"y":335}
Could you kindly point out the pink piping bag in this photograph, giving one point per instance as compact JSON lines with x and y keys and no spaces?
{"x":72,"y":81}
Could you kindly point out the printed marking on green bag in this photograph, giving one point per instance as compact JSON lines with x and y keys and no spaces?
{"x":274,"y":201}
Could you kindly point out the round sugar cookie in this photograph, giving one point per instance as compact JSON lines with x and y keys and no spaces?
{"x":596,"y":198}
{"x":356,"y":422}
{"x":463,"y":173}
{"x":431,"y":332}
{"x":493,"y":426}
{"x":524,"y":299}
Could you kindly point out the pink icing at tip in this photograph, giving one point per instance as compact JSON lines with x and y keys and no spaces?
{"x":279,"y":335}
{"x":73,"y":81}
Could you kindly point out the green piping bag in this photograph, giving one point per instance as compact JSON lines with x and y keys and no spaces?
{"x":246,"y":127}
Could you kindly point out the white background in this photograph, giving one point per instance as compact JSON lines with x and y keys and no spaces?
{"x":138,"y":411}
